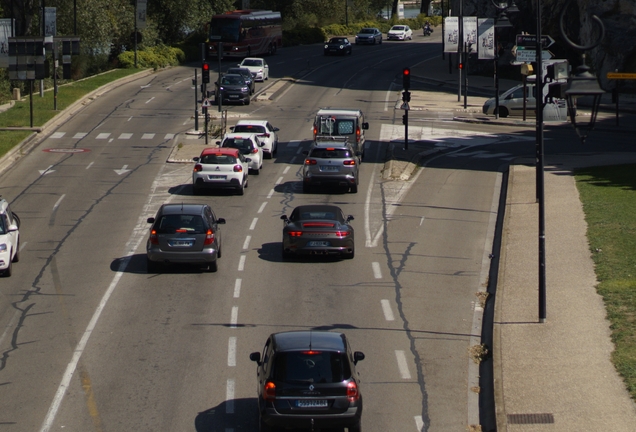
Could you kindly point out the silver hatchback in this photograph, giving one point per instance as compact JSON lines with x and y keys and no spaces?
{"x":333,"y":164}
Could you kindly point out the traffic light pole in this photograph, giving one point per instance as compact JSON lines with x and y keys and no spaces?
{"x":196,"y":102}
{"x":406,"y":129}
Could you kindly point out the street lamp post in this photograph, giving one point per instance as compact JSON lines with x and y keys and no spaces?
{"x":540,"y":170}
{"x":502,"y":22}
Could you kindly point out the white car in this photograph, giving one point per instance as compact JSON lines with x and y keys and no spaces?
{"x":9,"y":238}
{"x":257,"y":66}
{"x":249,"y":145}
{"x":400,"y":32}
{"x":220,"y":168}
{"x":266,"y":134}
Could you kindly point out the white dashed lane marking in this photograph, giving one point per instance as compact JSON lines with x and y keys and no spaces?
{"x":241,"y":265}
{"x":231,"y":351}
{"x":402,"y":364}
{"x":386,"y":309}
{"x":377,"y":272}
{"x":253,"y":224}
{"x":234,"y":318}
{"x":262,"y":207}
{"x":237,"y":288}
{"x":246,"y":243}
{"x":229,"y":397}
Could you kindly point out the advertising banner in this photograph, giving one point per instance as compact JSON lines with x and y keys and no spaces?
{"x":470,"y":34}
{"x":5,"y":34}
{"x":451,"y":34}
{"x":50,"y":24}
{"x":140,"y":19}
{"x":486,"y":40}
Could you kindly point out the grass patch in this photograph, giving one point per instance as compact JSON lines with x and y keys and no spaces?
{"x":20,"y":114}
{"x":608,"y":195}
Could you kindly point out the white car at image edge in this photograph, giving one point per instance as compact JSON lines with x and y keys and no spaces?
{"x":257,"y":66}
{"x":400,"y":32}
{"x":9,"y":238}
{"x":265,"y":131}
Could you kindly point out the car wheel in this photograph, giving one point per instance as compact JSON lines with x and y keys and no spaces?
{"x":213,"y":267}
{"x":247,"y":182}
{"x":152,"y":266}
{"x":380,"y":41}
{"x":356,"y":428}
{"x":7,"y":272}
{"x":286,"y":255}
{"x":264,"y":427}
{"x":354,"y":188}
{"x":247,"y":101}
{"x":503,"y":111}
{"x":306,"y":188}
{"x":241,"y":190}
{"x":16,"y":257}
{"x":218,"y":252}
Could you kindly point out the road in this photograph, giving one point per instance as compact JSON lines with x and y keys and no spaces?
{"x":90,"y":342}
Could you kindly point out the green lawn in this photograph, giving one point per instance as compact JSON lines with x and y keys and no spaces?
{"x":20,"y":114}
{"x":608,"y":195}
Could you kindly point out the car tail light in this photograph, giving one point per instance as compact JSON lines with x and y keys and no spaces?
{"x":265,"y":135}
{"x":311,"y":352}
{"x":269,"y":391}
{"x":315,"y":132}
{"x":295,"y":233}
{"x":357,"y":133}
{"x":310,"y":162}
{"x":154,"y":239}
{"x":343,"y":233}
{"x":181,"y":230}
{"x":198,"y":168}
{"x":352,"y":392}
{"x":238,"y":168}
{"x":209,"y":237}
{"x":349,"y":162}
{"x":318,"y":224}
{"x":255,"y":150}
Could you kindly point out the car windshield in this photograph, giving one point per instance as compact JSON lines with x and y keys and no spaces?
{"x":363,"y":31}
{"x":180,"y":223}
{"x":252,"y":63}
{"x":218,"y":159}
{"x":3,"y":224}
{"x":330,"y":153}
{"x":233,"y":80}
{"x":249,"y":129}
{"x":311,"y":367}
{"x":243,"y":144}
{"x":337,"y":40}
{"x":398,"y":28}
{"x":243,"y":72}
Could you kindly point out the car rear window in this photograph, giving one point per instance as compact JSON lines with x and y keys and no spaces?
{"x":300,"y":367}
{"x":218,"y":159}
{"x":249,"y":129}
{"x":330,"y":153}
{"x":243,"y":144}
{"x":171,"y":224}
{"x":331,"y":126}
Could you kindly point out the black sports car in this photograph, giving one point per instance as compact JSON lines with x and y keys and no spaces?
{"x":338,"y":45}
{"x":318,"y":230}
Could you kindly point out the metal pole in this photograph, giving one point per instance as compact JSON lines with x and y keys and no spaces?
{"x":406,"y":129}
{"x":460,"y":47}
{"x":135,"y":34}
{"x":55,"y":89}
{"x":540,"y":171}
{"x":466,"y":57}
{"x":219,"y":98}
{"x":196,"y":103}
{"x":31,"y":101}
{"x":443,"y":38}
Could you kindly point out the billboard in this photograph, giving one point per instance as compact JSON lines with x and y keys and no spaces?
{"x":486,"y":39}
{"x":5,"y":34}
{"x":451,"y":34}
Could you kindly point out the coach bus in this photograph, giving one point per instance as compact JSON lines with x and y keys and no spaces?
{"x":245,"y":33}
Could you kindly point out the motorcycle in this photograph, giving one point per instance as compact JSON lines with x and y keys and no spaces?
{"x":427,"y":30}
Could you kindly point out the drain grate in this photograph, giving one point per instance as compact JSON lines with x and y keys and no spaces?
{"x":540,"y":418}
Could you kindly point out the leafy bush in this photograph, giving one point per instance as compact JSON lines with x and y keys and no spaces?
{"x":155,"y":57}
{"x":303,"y":36}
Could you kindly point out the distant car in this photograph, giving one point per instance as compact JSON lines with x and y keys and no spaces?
{"x":369,"y":35}
{"x":338,"y":45}
{"x":184,"y":234}
{"x":308,"y":379}
{"x":220,"y":168}
{"x":265,"y":131}
{"x":9,"y":238}
{"x":257,"y":66}
{"x":249,"y":79}
{"x":249,"y":145}
{"x":318,"y":230}
{"x":400,"y":32}
{"x":233,"y":88}
{"x":333,"y":164}
{"x":511,"y":102}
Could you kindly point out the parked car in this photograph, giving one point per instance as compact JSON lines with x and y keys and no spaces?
{"x":265,"y":131}
{"x":308,"y":379}
{"x":333,"y":164}
{"x":220,"y":168}
{"x":184,"y":234}
{"x":511,"y":102}
{"x":338,"y":45}
{"x":9,"y":238}
{"x":318,"y":230}
{"x":249,"y":145}
{"x":233,"y":88}
{"x":247,"y":75}
{"x":400,"y":32}
{"x":257,"y":66}
{"x":369,"y":35}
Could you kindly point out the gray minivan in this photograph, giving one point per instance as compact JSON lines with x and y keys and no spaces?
{"x":341,"y":122}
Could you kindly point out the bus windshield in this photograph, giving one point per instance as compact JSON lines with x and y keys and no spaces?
{"x":227,"y":28}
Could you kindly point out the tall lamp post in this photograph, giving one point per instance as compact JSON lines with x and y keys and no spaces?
{"x":583,"y":83}
{"x":502,"y":22}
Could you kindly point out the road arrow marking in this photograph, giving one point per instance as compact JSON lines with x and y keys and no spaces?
{"x":123,"y":170}
{"x":47,"y":171}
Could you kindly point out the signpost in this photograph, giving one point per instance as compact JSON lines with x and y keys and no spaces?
{"x":531,"y":40}
{"x":523,"y":54}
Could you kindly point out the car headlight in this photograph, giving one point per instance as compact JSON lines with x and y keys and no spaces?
{"x":221,"y":88}
{"x":341,"y":46}
{"x":326,"y":46}
{"x":3,"y":247}
{"x":244,"y":89}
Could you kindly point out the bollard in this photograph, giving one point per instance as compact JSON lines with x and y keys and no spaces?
{"x":16,"y":94}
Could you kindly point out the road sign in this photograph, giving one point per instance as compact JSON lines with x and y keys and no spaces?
{"x":530,"y":55}
{"x":405,"y":106}
{"x":620,"y":75}
{"x":531,"y":41}
{"x":206,"y":103}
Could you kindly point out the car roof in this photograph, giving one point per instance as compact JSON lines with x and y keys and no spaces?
{"x":252,"y":122}
{"x":239,"y":70}
{"x":304,"y":339}
{"x":253,"y":58}
{"x":233,"y":75}
{"x":176,"y":208}
{"x":220,"y":150}
{"x":368,"y":28}
{"x":339,"y":111}
{"x":241,"y":135}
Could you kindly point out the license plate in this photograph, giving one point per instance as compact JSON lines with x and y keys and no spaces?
{"x":180,"y":243}
{"x":233,"y":96}
{"x":318,"y":243}
{"x":328,"y":168}
{"x":217,"y":177}
{"x":312,"y":403}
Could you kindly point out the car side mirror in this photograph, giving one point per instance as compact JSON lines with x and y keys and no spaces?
{"x":350,"y":218}
{"x":220,"y":221}
{"x":248,"y":159}
{"x":365,"y":125}
{"x":238,"y":64}
{"x":276,"y":129}
{"x":357,"y":356}
{"x":12,"y":228}
{"x":231,"y":128}
{"x":256,"y":357}
{"x":284,"y":217}
{"x":150,"y":220}
{"x":218,"y":143}
{"x":261,"y":144}
{"x":196,"y":159}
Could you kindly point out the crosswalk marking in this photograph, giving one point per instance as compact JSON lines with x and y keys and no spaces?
{"x":147,"y":136}
{"x":169,"y":136}
{"x":125,"y":136}
{"x":58,"y":135}
{"x":103,"y":135}
{"x":80,"y":135}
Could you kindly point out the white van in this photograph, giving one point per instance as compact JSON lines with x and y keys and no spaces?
{"x":341,"y":122}
{"x":511,"y":102}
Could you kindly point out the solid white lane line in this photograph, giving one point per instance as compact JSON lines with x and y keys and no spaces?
{"x":279,"y":181}
{"x":246,"y":244}
{"x":377,"y":272}
{"x":386,"y":308}
{"x":402,"y":364}
{"x":419,"y":423}
{"x":262,"y":207}
{"x":286,"y":170}
{"x":421,"y":220}
{"x":231,"y":351}
{"x":234,"y":319}
{"x":57,"y":204}
{"x":241,"y":265}
{"x":237,"y":288}
{"x":253,"y":224}
{"x":90,"y":165}
{"x":229,"y":396}
{"x":270,"y":194}
{"x":150,"y":99}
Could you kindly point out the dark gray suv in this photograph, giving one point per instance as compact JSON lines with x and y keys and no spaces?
{"x":331,"y":163}
{"x":308,"y":379}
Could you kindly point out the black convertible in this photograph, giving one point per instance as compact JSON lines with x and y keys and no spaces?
{"x":318,"y":230}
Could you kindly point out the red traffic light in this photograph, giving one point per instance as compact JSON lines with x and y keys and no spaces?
{"x":406,"y":71}
{"x":461,"y":66}
{"x":206,"y":67}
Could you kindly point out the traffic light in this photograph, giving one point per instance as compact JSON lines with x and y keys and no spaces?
{"x":460,"y":66}
{"x":205,"y":75}
{"x":404,"y":121}
{"x":406,"y":78}
{"x":406,"y":96}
